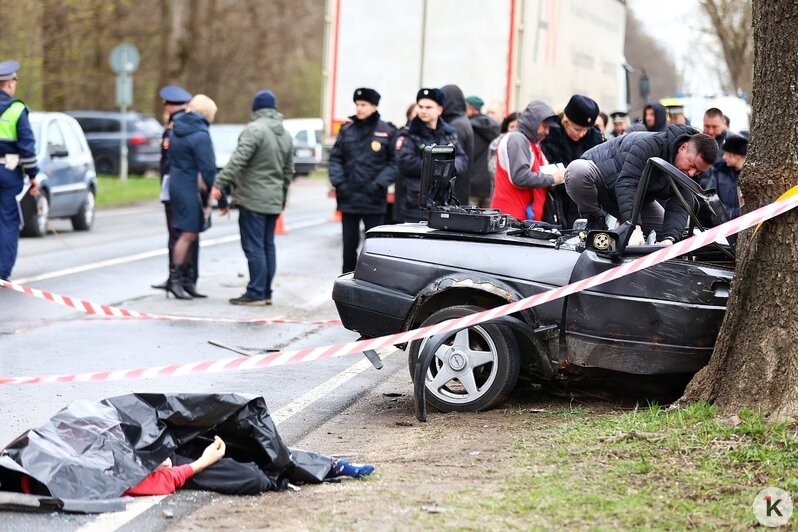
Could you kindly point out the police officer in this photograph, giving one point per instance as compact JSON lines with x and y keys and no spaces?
{"x":17,"y":157}
{"x":175,"y":100}
{"x":361,"y":169}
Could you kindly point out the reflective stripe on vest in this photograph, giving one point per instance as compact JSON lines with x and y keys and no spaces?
{"x":9,"y":119}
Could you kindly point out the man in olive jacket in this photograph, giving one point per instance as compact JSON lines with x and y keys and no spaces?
{"x":259,"y":171}
{"x":361,"y":169}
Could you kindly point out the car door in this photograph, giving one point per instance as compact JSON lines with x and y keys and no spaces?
{"x":80,"y":164}
{"x":60,"y":178}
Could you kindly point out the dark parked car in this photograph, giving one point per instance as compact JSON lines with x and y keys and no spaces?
{"x":67,"y":178}
{"x":103,"y":130}
{"x":652,"y":328}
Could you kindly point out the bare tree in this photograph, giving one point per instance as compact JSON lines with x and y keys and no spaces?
{"x":730,"y":22}
{"x":644,"y":52}
{"x":755,"y":362}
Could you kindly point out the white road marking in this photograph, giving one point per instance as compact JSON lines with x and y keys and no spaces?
{"x":299,"y":404}
{"x":117,"y":520}
{"x":145,"y":255}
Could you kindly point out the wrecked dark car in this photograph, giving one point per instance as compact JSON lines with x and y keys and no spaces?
{"x":652,"y":329}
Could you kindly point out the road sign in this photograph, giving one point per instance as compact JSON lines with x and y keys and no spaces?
{"x":124,"y":58}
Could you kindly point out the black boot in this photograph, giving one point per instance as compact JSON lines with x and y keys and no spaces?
{"x":175,"y":285}
{"x":163,"y":285}
{"x":189,"y":283}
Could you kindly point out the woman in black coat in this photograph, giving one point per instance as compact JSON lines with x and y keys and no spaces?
{"x":193,"y":170}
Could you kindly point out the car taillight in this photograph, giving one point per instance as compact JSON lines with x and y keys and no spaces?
{"x":137,"y":140}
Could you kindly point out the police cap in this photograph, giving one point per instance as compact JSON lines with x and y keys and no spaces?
{"x":619,"y":117}
{"x":366,"y":95}
{"x":174,"y":94}
{"x":436,"y":95}
{"x":8,"y":70}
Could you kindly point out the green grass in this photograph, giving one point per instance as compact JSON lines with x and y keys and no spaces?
{"x":647,"y":468}
{"x":112,"y":191}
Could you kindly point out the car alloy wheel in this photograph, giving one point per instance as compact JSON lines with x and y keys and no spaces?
{"x":475,"y":369}
{"x":85,"y":216}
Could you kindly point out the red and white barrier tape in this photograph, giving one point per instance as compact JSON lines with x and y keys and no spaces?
{"x":118,"y":312}
{"x":331,"y":351}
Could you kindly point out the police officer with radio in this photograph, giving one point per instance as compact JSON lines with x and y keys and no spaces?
{"x":17,"y":159}
{"x":361,"y":169}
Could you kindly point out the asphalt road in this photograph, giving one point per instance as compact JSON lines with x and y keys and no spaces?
{"x":115,"y":264}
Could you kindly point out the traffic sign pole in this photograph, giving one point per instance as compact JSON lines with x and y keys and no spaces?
{"x":124,"y":60}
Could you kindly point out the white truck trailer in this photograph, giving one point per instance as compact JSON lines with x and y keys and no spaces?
{"x":505,"y":51}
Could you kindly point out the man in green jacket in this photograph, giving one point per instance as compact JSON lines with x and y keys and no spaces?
{"x":259,"y":171}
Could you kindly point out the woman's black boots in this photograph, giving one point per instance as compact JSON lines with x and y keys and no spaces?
{"x":175,"y":283}
{"x":189,"y":285}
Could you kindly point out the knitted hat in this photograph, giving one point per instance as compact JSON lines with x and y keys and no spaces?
{"x":264,"y":100}
{"x":476,"y":102}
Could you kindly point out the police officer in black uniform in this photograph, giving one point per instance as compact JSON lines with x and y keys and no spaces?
{"x":17,"y":159}
{"x":175,"y":100}
{"x":361,"y":169}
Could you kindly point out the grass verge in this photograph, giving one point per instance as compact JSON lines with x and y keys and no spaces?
{"x":112,"y":191}
{"x":647,"y":468}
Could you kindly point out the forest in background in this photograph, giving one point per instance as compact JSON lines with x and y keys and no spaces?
{"x":227,"y":49}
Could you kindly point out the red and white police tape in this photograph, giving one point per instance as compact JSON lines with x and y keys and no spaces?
{"x":109,"y":311}
{"x":318,"y":353}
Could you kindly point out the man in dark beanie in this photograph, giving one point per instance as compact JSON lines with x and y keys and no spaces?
{"x":259,"y":171}
{"x":574,"y":136}
{"x":361,"y":169}
{"x":725,"y":175}
{"x":425,"y":129}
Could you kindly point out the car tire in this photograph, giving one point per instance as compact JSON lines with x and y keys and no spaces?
{"x":106,"y":163}
{"x":36,"y":223}
{"x":486,"y":383}
{"x":83,"y":220}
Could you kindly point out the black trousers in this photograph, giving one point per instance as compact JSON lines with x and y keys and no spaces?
{"x":174,"y":234}
{"x":350,"y":227}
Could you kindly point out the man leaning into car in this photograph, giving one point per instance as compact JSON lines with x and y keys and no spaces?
{"x":605,"y":179}
{"x":17,"y":157}
{"x":361,"y":169}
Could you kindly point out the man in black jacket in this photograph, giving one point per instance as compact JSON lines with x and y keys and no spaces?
{"x":427,"y":128}
{"x":361,"y":169}
{"x":605,"y":179}
{"x":454,"y":112}
{"x":485,"y":130}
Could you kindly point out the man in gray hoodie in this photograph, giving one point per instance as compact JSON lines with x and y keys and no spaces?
{"x":260,"y":170}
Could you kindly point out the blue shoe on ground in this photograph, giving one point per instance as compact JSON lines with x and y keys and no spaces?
{"x":343,"y":468}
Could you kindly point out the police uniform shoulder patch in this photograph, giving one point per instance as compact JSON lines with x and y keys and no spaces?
{"x":399,"y":142}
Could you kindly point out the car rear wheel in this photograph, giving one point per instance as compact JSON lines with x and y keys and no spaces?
{"x":85,"y":217}
{"x":36,"y":223}
{"x":475,"y":369}
{"x":106,"y":163}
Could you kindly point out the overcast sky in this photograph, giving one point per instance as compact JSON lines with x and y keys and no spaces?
{"x":676,"y":25}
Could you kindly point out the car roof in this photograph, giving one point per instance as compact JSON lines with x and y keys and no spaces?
{"x":108,"y":114}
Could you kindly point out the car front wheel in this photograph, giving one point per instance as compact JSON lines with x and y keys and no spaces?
{"x":475,"y":369}
{"x":36,"y":223}
{"x":85,"y":216}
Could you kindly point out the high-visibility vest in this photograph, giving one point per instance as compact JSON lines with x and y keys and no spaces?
{"x":9,"y":119}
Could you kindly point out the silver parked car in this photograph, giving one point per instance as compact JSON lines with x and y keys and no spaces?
{"x":67,"y":179}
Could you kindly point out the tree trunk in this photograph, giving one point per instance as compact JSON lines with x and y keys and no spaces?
{"x":755,"y":363}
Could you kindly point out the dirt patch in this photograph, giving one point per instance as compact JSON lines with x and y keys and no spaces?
{"x":421,"y":469}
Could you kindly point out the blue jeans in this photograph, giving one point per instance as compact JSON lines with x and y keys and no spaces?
{"x":257,"y":240}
